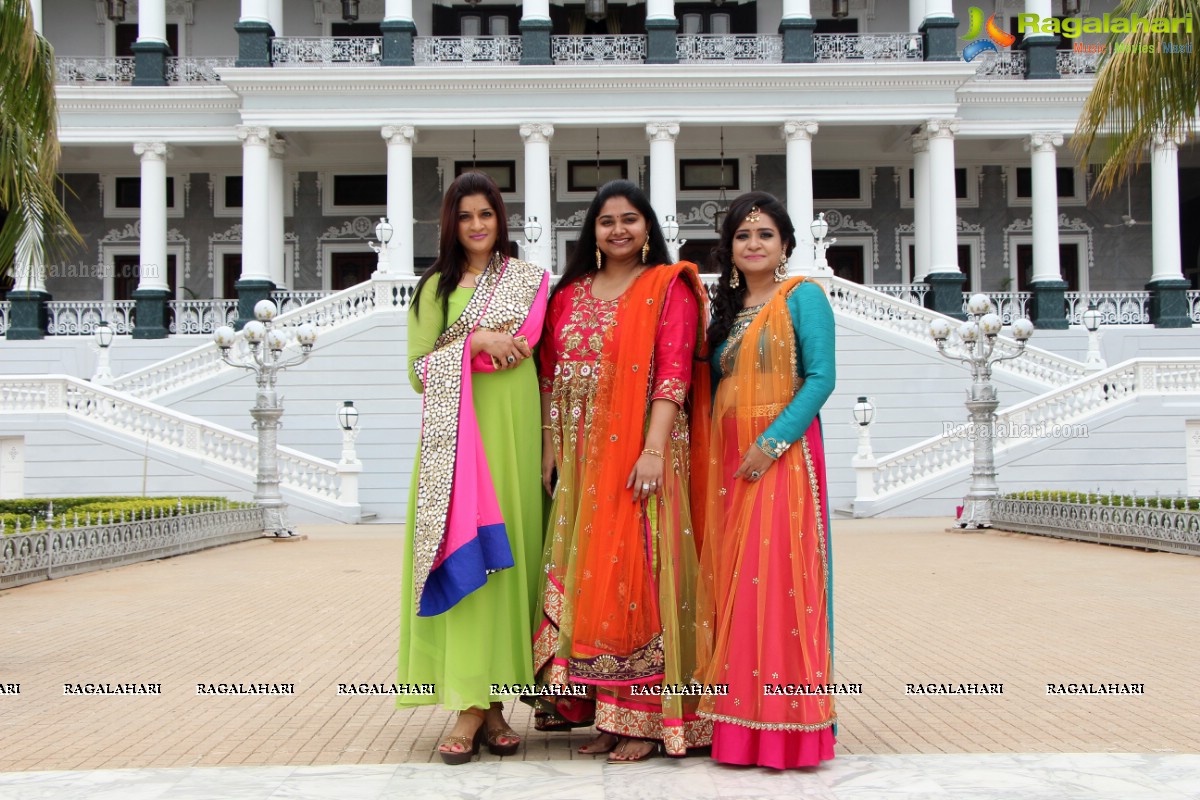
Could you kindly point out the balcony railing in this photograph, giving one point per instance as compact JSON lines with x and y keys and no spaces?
{"x":1007,"y":64}
{"x":1074,"y":65}
{"x":1116,"y":308}
{"x":80,"y":317}
{"x":868,"y":47}
{"x":94,"y":70}
{"x":201,"y":316}
{"x":598,"y":49}
{"x":1009,"y":305}
{"x":326,"y":51}
{"x":288,"y":300}
{"x":196,"y":70}
{"x":718,"y":48}
{"x":429,"y":50}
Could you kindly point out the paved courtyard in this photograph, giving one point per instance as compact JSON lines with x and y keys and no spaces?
{"x":914,"y":604}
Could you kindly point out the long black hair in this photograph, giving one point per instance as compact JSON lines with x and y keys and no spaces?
{"x":451,"y":256}
{"x":583,"y":260}
{"x":727,"y":300}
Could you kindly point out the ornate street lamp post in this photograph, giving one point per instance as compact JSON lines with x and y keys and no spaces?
{"x":864,"y":462}
{"x":104,"y":337}
{"x":1091,"y":320}
{"x":977,"y":341}
{"x":820,"y":229}
{"x":383,"y":232}
{"x":261,"y":352}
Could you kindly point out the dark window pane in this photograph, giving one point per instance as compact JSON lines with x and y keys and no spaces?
{"x":360,"y":190}
{"x":585,"y":176}
{"x":504,"y":173}
{"x":355,"y":29}
{"x":1024,"y":182}
{"x":960,"y":183}
{"x":1064,"y":177}
{"x":836,"y":184}
{"x":708,"y":173}
{"x":233,"y":191}
{"x":128,"y":192}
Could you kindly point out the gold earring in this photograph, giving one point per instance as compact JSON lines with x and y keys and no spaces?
{"x":646,"y":250}
{"x":599,"y":259}
{"x":735,"y":278}
{"x":781,"y":269}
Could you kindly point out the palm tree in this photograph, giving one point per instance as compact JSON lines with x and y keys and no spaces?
{"x":1141,"y":90}
{"x":28,"y":144}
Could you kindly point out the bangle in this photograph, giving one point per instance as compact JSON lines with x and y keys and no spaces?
{"x":771,"y":446}
{"x":651,"y":452}
{"x":547,"y":427}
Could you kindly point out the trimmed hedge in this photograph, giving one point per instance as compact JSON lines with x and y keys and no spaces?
{"x":1123,"y":501}
{"x":31,"y":513}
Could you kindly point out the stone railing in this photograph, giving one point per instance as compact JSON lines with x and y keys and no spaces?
{"x":429,"y":50}
{"x":1194,"y":306}
{"x":909,"y":292}
{"x":598,"y":49}
{"x":289,"y":300}
{"x":1077,"y":65}
{"x":765,"y":48}
{"x":912,"y":322}
{"x":868,"y":47}
{"x":5,"y":307}
{"x":326,"y":51}
{"x":59,"y":552}
{"x":1006,"y":64}
{"x":205,"y":361}
{"x":234,"y":453}
{"x":80,"y":317}
{"x":1116,"y":308}
{"x":1055,"y":414}
{"x":1168,"y":529}
{"x":1009,"y":305}
{"x":196,"y":70}
{"x":201,"y":316}
{"x":73,"y":70}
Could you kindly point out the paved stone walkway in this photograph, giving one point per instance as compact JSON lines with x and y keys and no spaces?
{"x":914,"y":604}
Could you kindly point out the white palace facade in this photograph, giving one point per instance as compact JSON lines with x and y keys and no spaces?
{"x":216,"y":152}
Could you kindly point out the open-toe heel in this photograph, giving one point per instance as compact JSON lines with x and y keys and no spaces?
{"x":494,"y":735}
{"x":469,"y":743}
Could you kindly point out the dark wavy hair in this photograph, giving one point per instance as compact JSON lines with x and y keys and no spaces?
{"x":452,"y":258}
{"x":583,"y":260}
{"x":727,"y":301}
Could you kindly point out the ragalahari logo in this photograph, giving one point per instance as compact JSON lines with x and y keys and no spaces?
{"x":995,"y":36}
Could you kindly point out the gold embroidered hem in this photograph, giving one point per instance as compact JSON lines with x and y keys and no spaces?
{"x":768,"y":726}
{"x":619,"y":720}
{"x":643,"y":664}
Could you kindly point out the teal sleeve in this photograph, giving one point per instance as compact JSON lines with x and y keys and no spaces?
{"x":812,"y":321}
{"x":424,"y":328}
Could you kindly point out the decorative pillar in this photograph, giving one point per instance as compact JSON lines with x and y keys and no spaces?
{"x":1041,"y":49}
{"x":275,"y":16}
{"x":800,"y":192}
{"x":275,"y":194}
{"x":398,"y":30}
{"x":255,"y":283}
{"x":661,"y":29}
{"x":35,"y":9}
{"x":662,"y":169}
{"x":916,"y":14}
{"x":1049,"y":309}
{"x":254,"y":34}
{"x":796,"y":27}
{"x":920,"y":260}
{"x":535,"y":33}
{"x":400,"y":140}
{"x":536,"y":136}
{"x":153,"y":290}
{"x":27,"y":316}
{"x":940,"y":30}
{"x":1168,"y":288}
{"x":945,"y":279}
{"x":150,"y":51}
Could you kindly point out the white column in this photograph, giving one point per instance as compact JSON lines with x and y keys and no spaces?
{"x":939,"y":8}
{"x":1164,"y":207}
{"x":662,"y":170}
{"x":255,"y":11}
{"x":800,"y":192}
{"x":793,"y":9}
{"x":275,"y":195}
{"x":400,"y":139}
{"x":943,"y":205}
{"x":916,"y":14}
{"x":660,"y":9}
{"x":275,"y":13}
{"x":538,"y":9}
{"x":1044,"y":163}
{"x":256,"y":172}
{"x":152,"y":250}
{"x":152,"y":21}
{"x":35,"y":8}
{"x":536,"y":136}
{"x":920,"y":261}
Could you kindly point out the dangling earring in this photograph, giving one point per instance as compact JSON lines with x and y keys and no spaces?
{"x":735,"y":278}
{"x":781,"y":270}
{"x":599,"y":259}
{"x":646,"y":250}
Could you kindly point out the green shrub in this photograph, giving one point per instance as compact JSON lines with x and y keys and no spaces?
{"x":31,"y":513}
{"x":1120,"y":501}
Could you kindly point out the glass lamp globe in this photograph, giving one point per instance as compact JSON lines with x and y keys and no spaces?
{"x":276,"y":340}
{"x":940,"y":330}
{"x":306,"y":335}
{"x":1022,"y":329}
{"x":990,"y":324}
{"x":968,"y":332}
{"x":979,"y":304}
{"x":265,"y":310}
{"x":224,"y":336}
{"x":255,"y":331}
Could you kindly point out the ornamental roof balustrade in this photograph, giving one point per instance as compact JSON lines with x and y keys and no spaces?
{"x":598,"y":49}
{"x":197,"y":70}
{"x":73,"y":70}
{"x":868,"y":47}
{"x":708,"y":48}
{"x":326,"y":51}
{"x":465,"y":50}
{"x":1001,"y":66}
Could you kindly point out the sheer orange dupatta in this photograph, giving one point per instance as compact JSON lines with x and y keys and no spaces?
{"x":617,"y":627}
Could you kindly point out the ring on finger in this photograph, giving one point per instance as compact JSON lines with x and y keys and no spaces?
{"x":755,"y":475}
{"x":645,"y":487}
{"x":511,"y":359}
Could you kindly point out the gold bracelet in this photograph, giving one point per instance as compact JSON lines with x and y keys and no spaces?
{"x":547,"y":427}
{"x":651,"y":452}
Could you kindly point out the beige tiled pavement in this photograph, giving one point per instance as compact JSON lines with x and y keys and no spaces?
{"x":913,"y":604}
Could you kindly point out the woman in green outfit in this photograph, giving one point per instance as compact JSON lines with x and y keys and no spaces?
{"x":475,"y":510}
